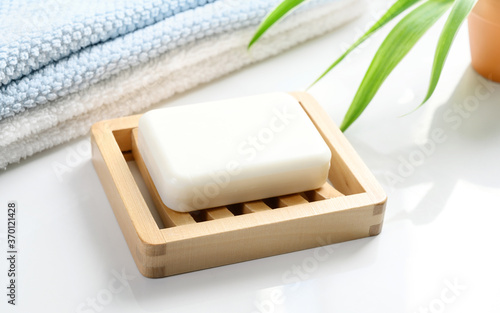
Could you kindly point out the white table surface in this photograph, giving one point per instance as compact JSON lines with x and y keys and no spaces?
{"x":438,"y":251}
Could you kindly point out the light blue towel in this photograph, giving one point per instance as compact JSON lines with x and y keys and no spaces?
{"x":34,"y":33}
{"x":93,"y":41}
{"x":138,"y":84}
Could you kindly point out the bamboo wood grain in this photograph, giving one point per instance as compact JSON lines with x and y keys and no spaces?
{"x":291,"y":200}
{"x":353,"y":209}
{"x":255,"y":206}
{"x":324,"y":192}
{"x":218,"y":213}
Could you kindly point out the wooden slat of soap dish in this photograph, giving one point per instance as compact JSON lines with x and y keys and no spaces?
{"x":197,"y":240}
{"x":218,"y":213}
{"x":325,"y":192}
{"x":255,"y":206}
{"x":291,"y":200}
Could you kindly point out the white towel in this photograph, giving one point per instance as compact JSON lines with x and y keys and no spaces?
{"x":138,"y":88}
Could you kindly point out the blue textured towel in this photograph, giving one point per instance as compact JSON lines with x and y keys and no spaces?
{"x":34,"y":33}
{"x":135,"y":33}
{"x":66,"y":65}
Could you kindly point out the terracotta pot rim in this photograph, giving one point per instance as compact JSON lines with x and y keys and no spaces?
{"x":484,"y":20}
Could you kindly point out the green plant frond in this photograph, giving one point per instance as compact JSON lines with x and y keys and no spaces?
{"x":397,"y":8}
{"x":392,"y":50}
{"x":281,"y":10}
{"x":458,"y":14}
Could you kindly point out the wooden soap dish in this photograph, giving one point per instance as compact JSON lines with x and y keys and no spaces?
{"x":350,"y":209}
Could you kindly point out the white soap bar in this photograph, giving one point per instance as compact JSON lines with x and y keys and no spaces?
{"x":219,"y":153}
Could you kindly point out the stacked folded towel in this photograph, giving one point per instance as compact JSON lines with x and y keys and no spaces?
{"x":65,"y":66}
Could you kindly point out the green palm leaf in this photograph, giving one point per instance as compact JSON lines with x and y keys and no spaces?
{"x":282,"y":9}
{"x":394,"y":48}
{"x":397,"y":8}
{"x":458,"y":14}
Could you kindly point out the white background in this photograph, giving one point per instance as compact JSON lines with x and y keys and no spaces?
{"x":441,"y":224}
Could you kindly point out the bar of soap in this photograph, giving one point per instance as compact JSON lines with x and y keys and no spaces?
{"x":219,"y":153}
